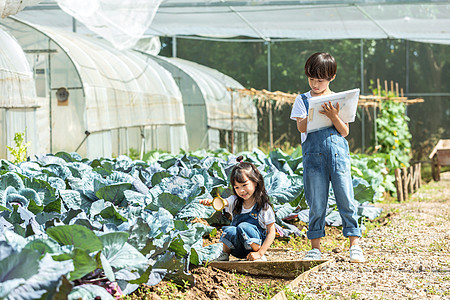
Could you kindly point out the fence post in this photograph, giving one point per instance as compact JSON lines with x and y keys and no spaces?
{"x":420,"y":175}
{"x":405,"y":183}
{"x":411,"y":179}
{"x":398,"y":184}
{"x":417,"y":176}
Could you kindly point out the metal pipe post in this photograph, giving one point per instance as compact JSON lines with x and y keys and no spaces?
{"x":363,"y":136}
{"x":174,"y":46}
{"x":269,"y":87}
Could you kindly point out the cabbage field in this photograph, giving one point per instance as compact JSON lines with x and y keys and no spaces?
{"x":77,"y":228}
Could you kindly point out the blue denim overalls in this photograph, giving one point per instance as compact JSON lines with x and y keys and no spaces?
{"x":326,"y":157}
{"x":243,"y":231}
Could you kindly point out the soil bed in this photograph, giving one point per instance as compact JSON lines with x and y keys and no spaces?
{"x":407,"y":252}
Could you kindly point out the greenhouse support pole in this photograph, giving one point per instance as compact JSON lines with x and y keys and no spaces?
{"x":174,"y":46}
{"x":407,"y":74}
{"x":142,"y":129}
{"x":74,"y":24}
{"x":118,"y":141}
{"x":50,"y":96}
{"x":269,"y":87}
{"x":363,"y":136}
{"x":232,"y":123}
{"x":127,"y":141}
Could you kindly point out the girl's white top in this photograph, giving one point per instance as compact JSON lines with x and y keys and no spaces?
{"x":265,"y":217}
{"x":299,"y":111}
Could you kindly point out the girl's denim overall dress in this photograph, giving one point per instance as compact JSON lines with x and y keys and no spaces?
{"x":243,"y":231}
{"x":326,"y":158}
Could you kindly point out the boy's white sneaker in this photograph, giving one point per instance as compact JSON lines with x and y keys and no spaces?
{"x":313,"y":254}
{"x":223,"y":257}
{"x":356,"y":254}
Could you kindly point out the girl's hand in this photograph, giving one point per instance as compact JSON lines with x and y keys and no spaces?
{"x":329,"y":110}
{"x":206,"y":202}
{"x":253,"y":256}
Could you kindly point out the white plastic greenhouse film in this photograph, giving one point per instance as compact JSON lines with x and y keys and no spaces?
{"x":17,"y":96}
{"x":424,"y":21}
{"x":122,"y":22}
{"x":109,"y":89}
{"x":121,"y":90}
{"x":213,"y":85}
{"x":12,"y":7}
{"x":203,"y":87}
{"x":43,"y":125}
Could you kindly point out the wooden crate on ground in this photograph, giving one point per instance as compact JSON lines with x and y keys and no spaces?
{"x":440,"y":156}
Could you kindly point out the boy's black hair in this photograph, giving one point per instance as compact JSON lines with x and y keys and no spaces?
{"x":253,"y":174}
{"x":321,"y":65}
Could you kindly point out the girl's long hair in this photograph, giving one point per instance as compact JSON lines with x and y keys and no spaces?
{"x":253,"y":174}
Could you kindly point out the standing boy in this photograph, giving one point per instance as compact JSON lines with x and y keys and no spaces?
{"x":326,"y":158}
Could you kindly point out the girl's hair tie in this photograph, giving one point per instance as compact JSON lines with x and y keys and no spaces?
{"x":239,"y":159}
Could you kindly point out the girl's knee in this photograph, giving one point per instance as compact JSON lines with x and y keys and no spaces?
{"x":243,"y":227}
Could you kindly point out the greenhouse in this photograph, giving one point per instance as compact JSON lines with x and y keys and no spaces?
{"x":98,"y":100}
{"x":18,"y":102}
{"x":213,"y":113}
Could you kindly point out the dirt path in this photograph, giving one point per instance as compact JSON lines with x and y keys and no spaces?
{"x":407,"y":258}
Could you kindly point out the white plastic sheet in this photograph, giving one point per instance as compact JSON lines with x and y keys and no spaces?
{"x":125,"y":100}
{"x":210,"y":108}
{"x":18,"y":101}
{"x":121,"y":22}
{"x":12,"y":7}
{"x":424,"y":21}
{"x":16,"y":79}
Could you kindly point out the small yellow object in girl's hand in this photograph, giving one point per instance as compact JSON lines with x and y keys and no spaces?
{"x":218,"y":203}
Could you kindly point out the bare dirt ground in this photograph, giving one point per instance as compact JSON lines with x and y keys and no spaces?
{"x":407,"y":252}
{"x":408,"y":258}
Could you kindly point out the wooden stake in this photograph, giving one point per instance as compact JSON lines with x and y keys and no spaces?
{"x":401,"y":92}
{"x":386,"y":87}
{"x":392,"y":87}
{"x":398,"y":184}
{"x":420,"y":175}
{"x":405,"y":183}
{"x":378,"y":87}
{"x":396,"y":89}
{"x":411,"y":179}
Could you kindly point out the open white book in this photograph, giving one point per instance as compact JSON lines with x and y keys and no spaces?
{"x":348,"y":102}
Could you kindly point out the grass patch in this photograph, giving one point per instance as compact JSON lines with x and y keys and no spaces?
{"x":255,"y":290}
{"x":439,"y":246}
{"x":296,"y":243}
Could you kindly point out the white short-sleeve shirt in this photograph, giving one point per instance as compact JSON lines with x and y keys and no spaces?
{"x":265,"y":217}
{"x":299,"y":111}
